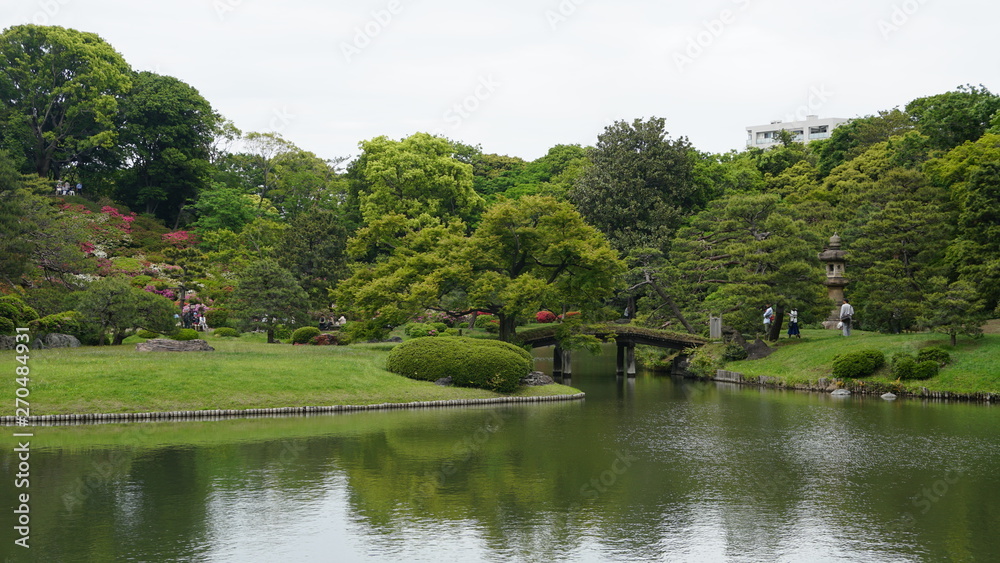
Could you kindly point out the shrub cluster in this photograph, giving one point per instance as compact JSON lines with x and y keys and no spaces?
{"x":485,"y":364}
{"x":483,"y":320}
{"x":185,"y":334}
{"x":14,"y":313}
{"x":147,"y":334}
{"x":305,"y":334}
{"x":545,"y":317}
{"x":417,"y":330}
{"x":325,"y":340}
{"x":924,"y":366}
{"x":858,"y":364}
{"x":67,"y":322}
{"x":227,"y":332}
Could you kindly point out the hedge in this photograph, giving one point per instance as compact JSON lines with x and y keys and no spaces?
{"x":226,"y":331}
{"x":305,"y":334}
{"x":185,"y":334}
{"x":858,"y":364}
{"x":485,"y":364}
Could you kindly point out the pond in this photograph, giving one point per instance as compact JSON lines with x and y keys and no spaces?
{"x":646,"y":469}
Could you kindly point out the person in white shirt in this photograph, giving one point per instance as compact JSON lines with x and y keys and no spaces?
{"x":846,"y":317}
{"x":793,"y":323}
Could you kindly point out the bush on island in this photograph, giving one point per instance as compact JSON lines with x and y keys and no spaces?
{"x":305,"y":334}
{"x":227,"y":332}
{"x":185,"y":334}
{"x":858,"y":364}
{"x":485,"y":364}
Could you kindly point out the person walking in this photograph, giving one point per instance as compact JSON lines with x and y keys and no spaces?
{"x":768,"y":318}
{"x":846,"y":317}
{"x":793,"y":323}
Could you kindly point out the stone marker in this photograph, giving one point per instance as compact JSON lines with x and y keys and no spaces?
{"x":167,"y":345}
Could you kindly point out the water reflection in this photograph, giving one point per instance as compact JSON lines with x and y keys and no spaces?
{"x":645,"y":469}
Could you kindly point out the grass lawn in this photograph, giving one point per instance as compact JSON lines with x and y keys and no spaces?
{"x":974,"y":367}
{"x":241,"y":373}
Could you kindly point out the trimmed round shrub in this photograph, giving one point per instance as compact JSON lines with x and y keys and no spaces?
{"x":67,"y":322}
{"x":934,"y":353}
{"x":439,"y":327}
{"x":185,"y":334}
{"x":858,"y":364}
{"x":13,"y":308}
{"x":147,"y":334}
{"x":7,"y":326}
{"x":926,"y":369}
{"x":226,"y":332}
{"x":545,"y":317}
{"x":141,"y":281}
{"x":452,"y":332}
{"x":485,"y":364}
{"x":463,"y":325}
{"x":305,"y":334}
{"x":904,"y":366}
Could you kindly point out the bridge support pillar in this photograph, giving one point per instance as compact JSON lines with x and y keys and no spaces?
{"x":625,"y":360}
{"x":557,"y":362}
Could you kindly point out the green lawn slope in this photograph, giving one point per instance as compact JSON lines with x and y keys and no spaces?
{"x":975,"y":365}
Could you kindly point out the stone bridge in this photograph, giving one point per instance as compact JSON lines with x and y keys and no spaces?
{"x":625,"y":336}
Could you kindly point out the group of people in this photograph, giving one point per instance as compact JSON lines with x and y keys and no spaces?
{"x":331,"y":323}
{"x":65,"y":188}
{"x":846,"y":317}
{"x":194,"y":317}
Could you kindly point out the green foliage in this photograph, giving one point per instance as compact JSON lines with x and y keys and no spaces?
{"x":485,"y":364}
{"x":640,"y":186}
{"x":304,"y":335}
{"x":705,"y":361}
{"x":953,"y":118}
{"x":217,"y":317}
{"x":67,"y":322}
{"x":114,"y":304}
{"x":939,"y":355}
{"x":15,"y":309}
{"x":7,"y":326}
{"x":226,"y":332}
{"x":267,"y":296}
{"x":78,"y":95}
{"x":926,"y":369}
{"x":861,"y":363}
{"x":482,"y":321}
{"x":185,"y":334}
{"x":903,"y":366}
{"x":147,"y":334}
{"x":733,"y":352}
{"x":417,"y":330}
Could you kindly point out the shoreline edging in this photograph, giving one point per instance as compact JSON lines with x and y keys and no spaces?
{"x":726,"y":376}
{"x":219,"y":414}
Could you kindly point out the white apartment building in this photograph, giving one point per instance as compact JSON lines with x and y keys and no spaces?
{"x":809,"y":129}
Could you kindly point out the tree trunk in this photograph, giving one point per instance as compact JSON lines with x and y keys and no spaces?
{"x":954,"y":339}
{"x":779,"y":317}
{"x":507,"y":329}
{"x":673,"y":306}
{"x":270,"y":334}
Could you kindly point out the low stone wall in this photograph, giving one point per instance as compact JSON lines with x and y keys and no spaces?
{"x":826,"y":385}
{"x":58,"y":419}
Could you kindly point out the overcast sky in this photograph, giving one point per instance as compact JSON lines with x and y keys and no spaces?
{"x":519,"y":76}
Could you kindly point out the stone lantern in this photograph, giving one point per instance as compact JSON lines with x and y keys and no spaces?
{"x":834,"y":259}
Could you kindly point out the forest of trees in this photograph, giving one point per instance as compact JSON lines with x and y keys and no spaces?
{"x":182,"y":204}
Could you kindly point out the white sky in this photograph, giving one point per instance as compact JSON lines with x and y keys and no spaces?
{"x":527,"y":75}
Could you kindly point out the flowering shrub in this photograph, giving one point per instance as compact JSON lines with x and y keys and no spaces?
{"x":568,"y":315}
{"x":180,"y":239}
{"x":545,"y":316}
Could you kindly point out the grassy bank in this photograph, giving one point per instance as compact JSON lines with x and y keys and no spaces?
{"x":240,"y":374}
{"x":975,"y":365}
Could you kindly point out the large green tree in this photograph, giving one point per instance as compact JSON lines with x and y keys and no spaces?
{"x":59,"y":94}
{"x":167,"y":129}
{"x":114,"y":304}
{"x":641,"y":185}
{"x":525,"y":254}
{"x":953,"y":118}
{"x":267,"y":295}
